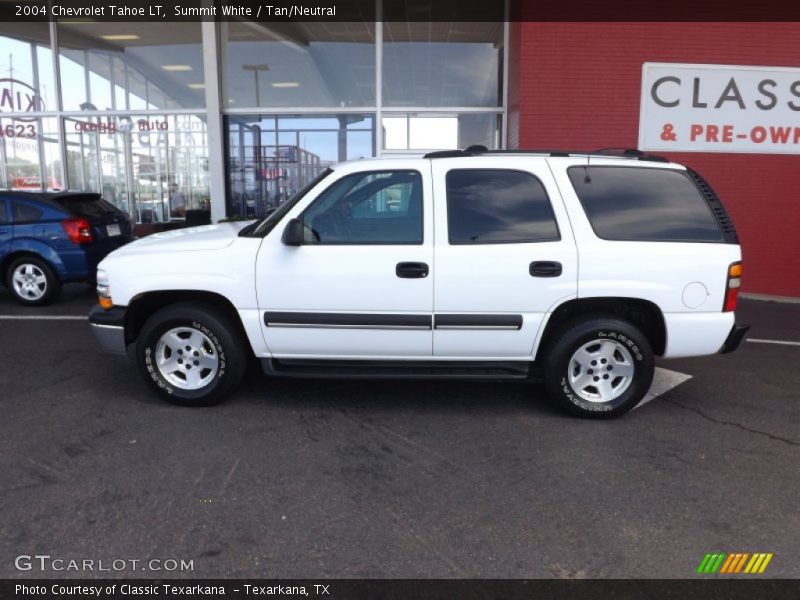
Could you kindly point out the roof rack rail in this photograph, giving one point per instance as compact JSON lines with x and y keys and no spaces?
{"x":478,"y":150}
{"x":630,"y":153}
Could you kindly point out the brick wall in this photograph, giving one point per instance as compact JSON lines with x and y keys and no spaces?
{"x":577,"y":85}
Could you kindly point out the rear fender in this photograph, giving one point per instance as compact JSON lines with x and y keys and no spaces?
{"x":44,"y":251}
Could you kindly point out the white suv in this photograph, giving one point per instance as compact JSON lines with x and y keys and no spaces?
{"x":571,"y":268}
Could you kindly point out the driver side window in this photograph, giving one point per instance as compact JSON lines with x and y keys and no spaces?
{"x":377,"y":207}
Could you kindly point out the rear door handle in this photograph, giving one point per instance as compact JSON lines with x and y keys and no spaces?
{"x":545,"y":268}
{"x":411,"y":270}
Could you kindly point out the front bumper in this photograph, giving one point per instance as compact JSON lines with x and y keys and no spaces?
{"x":108,"y":327}
{"x":735,"y":337}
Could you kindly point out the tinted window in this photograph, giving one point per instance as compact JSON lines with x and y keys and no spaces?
{"x":494,"y":206}
{"x":24,"y":212}
{"x":368,"y":208}
{"x":88,"y":206}
{"x":3,"y":214}
{"x":638,"y":204}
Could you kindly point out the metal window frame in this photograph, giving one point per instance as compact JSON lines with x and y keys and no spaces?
{"x":215,"y":110}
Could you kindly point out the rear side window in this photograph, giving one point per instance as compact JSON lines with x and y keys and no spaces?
{"x":87,"y":206}
{"x":3,"y":213}
{"x":644,"y":205}
{"x":497,"y":206}
{"x":24,"y":212}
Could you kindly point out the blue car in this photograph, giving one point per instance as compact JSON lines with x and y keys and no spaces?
{"x":48,"y":239}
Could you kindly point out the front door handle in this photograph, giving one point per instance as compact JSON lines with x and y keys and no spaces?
{"x":545,"y":268}
{"x":411,"y":270}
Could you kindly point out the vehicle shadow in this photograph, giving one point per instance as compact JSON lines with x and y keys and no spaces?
{"x":399,"y":395}
{"x":75,"y":298}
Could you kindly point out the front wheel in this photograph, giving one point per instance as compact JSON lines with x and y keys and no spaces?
{"x":191,"y":354}
{"x":598,"y":366}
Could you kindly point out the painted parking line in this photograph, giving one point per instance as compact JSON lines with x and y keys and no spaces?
{"x":43,"y":317}
{"x":779,"y":342}
{"x":663,"y":381}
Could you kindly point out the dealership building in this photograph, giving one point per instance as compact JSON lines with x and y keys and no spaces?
{"x":179,"y":123}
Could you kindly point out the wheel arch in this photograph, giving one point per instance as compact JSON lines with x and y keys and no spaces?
{"x":16,"y":253}
{"x":142,"y":306}
{"x":643,"y":314}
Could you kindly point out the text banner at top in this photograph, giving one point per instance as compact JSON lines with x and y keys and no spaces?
{"x":479,"y":11}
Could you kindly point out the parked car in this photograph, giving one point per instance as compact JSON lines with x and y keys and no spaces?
{"x":48,"y":239}
{"x":575,"y":269}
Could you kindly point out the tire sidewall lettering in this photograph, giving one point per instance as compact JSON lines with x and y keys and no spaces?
{"x":579,"y":402}
{"x":625,"y":340}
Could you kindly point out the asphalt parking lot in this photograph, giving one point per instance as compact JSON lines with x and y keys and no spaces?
{"x":295,"y":478}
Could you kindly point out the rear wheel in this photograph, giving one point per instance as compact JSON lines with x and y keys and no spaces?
{"x":32,"y":281}
{"x":598,"y":366}
{"x":191,"y":354}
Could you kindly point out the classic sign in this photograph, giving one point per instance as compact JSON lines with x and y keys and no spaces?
{"x":720,"y":108}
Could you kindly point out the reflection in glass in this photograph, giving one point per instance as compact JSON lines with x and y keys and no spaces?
{"x":131,"y":65}
{"x":299,"y":64}
{"x":29,"y":156}
{"x":442,"y":64}
{"x":655,"y":205}
{"x":271,"y":157}
{"x":26,"y":68}
{"x":367,"y":208}
{"x":154,"y":166}
{"x":497,"y":206}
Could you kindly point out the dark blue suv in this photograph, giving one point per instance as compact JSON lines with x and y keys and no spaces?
{"x":49,"y":239}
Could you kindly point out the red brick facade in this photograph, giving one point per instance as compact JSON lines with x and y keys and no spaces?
{"x":577,"y":85}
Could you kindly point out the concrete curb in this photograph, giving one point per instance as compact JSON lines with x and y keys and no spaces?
{"x":768,"y":298}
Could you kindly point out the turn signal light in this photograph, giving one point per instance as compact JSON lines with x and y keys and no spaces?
{"x":79,"y":231}
{"x":732,"y":288}
{"x":105,"y":302}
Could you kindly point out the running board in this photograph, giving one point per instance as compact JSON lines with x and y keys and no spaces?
{"x":379,"y":369}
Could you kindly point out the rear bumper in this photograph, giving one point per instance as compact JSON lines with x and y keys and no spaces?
{"x":735,"y":337}
{"x":696,"y":334}
{"x":80,"y":262}
{"x":108,"y":327}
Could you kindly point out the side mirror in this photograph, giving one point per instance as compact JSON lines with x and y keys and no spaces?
{"x":293,"y":233}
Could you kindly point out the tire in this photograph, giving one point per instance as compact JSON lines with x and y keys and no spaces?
{"x":186,"y":336}
{"x":610,"y":386}
{"x":32,"y":281}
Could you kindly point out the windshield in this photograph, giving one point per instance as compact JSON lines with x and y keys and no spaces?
{"x":264,"y":226}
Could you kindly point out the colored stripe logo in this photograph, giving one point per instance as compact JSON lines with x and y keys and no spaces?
{"x":735,"y":563}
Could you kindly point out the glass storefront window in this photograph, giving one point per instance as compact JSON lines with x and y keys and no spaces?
{"x":299,"y":64}
{"x":132,"y":105}
{"x":137,"y":66}
{"x":26,"y":68}
{"x":442,"y":64}
{"x":29,"y":154}
{"x":440,"y":131}
{"x":271,"y":157}
{"x":153,"y":166}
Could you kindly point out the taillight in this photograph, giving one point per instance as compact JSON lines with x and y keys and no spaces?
{"x":732,"y":288}
{"x":78,"y":230}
